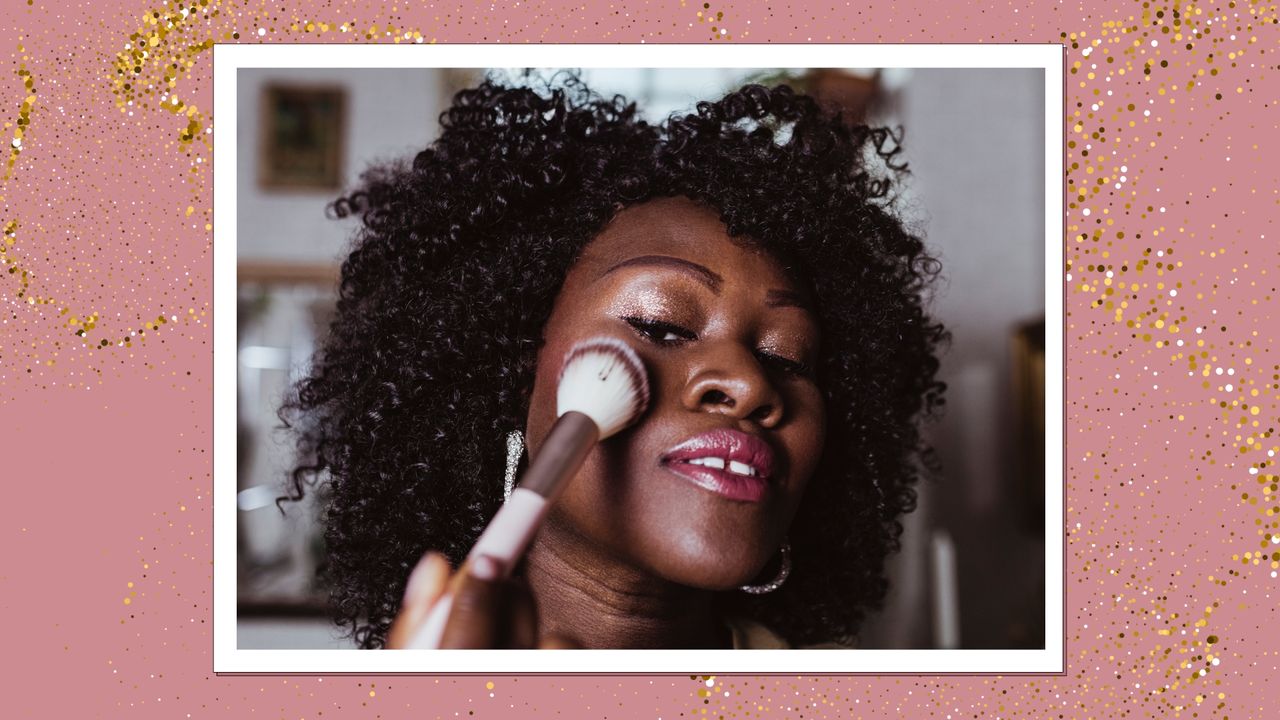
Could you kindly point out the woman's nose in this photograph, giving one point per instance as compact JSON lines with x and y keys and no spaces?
{"x":727,"y":378}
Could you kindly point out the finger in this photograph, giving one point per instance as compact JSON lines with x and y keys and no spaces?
{"x":558,"y":642}
{"x":426,"y":584}
{"x":476,"y":618}
{"x":522,"y":630}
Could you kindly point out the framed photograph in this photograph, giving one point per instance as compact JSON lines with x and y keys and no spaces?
{"x":831,"y":464}
{"x":303,"y":136}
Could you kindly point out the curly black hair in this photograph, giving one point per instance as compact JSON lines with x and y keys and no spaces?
{"x":430,"y":359}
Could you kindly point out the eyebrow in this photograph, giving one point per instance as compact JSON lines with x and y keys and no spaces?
{"x":786,"y":298}
{"x":774,"y":298}
{"x":700,"y":273}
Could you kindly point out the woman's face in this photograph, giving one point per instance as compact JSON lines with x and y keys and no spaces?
{"x":701,"y":490}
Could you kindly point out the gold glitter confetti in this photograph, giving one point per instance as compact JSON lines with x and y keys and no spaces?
{"x":1135,"y":79}
{"x":171,"y":42}
{"x":1175,"y":50}
{"x":21,"y":127}
{"x":714,"y":18}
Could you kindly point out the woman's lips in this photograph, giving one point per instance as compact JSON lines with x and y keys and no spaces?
{"x":727,"y":462}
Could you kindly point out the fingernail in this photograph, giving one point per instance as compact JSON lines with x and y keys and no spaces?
{"x":484,"y":567}
{"x":418,"y":581}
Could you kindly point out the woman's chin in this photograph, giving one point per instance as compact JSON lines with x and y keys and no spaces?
{"x":710,"y":571}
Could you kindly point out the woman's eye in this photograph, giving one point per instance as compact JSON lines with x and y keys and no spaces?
{"x":660,"y":332}
{"x":784,"y":364}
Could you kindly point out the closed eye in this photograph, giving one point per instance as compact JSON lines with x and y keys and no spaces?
{"x":784,"y":364}
{"x":660,"y":332}
{"x":665,"y":333}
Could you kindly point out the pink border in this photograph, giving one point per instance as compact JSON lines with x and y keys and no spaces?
{"x":1169,"y":536}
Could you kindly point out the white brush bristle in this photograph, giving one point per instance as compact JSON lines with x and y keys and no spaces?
{"x":604,"y":379}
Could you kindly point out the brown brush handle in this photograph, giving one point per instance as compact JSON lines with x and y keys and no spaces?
{"x":562,"y":453}
{"x":508,"y":535}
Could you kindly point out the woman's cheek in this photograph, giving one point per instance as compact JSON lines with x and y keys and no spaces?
{"x":810,"y":434}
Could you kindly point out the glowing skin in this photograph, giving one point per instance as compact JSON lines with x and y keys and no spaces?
{"x":631,"y":552}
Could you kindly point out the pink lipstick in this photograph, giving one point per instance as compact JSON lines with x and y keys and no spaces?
{"x":726,"y":462}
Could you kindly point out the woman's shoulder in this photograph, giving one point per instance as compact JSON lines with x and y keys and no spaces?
{"x":751,"y":635}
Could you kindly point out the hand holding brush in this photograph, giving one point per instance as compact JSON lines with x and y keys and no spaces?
{"x":603,"y":389}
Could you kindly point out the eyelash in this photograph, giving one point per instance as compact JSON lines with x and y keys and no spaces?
{"x":656,"y":331}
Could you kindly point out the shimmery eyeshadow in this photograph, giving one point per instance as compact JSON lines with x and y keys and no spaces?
{"x":644,"y":300}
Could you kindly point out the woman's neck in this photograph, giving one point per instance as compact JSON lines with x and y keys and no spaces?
{"x":598,"y":601}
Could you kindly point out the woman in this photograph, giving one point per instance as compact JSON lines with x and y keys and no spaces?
{"x":748,"y":252}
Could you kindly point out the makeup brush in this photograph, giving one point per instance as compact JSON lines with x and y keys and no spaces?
{"x":603,"y":388}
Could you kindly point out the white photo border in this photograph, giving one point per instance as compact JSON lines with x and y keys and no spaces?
{"x":228,"y":658}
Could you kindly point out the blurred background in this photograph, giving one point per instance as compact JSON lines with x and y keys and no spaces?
{"x":971,"y":572}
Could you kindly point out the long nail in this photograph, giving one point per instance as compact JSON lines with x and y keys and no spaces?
{"x":484,"y":567}
{"x":419,"y":580}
